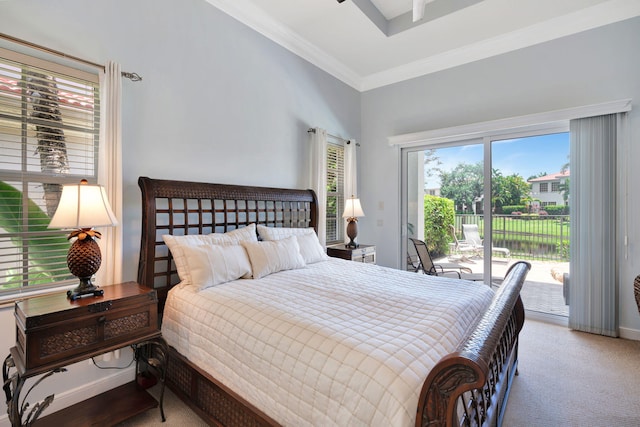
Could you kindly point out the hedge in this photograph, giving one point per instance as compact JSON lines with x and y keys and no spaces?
{"x":439,"y":215}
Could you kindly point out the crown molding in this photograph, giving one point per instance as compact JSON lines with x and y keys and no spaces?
{"x":592,"y":17}
{"x":256,"y":19}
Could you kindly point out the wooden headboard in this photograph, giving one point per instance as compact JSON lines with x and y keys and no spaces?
{"x":181,"y":207}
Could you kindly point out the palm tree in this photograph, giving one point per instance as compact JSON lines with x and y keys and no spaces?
{"x":42,"y":91}
{"x":564,"y":189}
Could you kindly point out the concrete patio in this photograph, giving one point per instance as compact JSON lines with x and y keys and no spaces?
{"x":541,"y":292}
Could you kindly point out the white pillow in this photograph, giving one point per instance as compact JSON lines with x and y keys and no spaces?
{"x":272,"y":256}
{"x":234,"y":237}
{"x":177,"y":243}
{"x":211,"y":265}
{"x":278,"y":233}
{"x":310,"y":247}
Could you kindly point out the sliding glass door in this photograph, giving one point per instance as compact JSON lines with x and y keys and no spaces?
{"x":487,"y":202}
{"x":444,"y":189}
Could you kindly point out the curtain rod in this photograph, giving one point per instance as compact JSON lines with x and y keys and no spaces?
{"x":312,"y":130}
{"x":135,"y":77}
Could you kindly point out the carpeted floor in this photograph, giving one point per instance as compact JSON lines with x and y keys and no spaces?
{"x":569,"y":378}
{"x":566,"y":379}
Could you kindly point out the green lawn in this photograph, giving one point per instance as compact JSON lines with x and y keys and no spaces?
{"x":530,"y":238}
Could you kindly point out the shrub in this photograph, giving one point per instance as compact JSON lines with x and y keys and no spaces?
{"x":557,"y":209}
{"x":511,"y":210}
{"x":439,"y":215}
{"x":530,"y":216}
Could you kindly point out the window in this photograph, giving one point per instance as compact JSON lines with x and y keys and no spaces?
{"x":555,"y":186}
{"x":49,"y":131}
{"x":544,"y":187}
{"x":335,"y":192}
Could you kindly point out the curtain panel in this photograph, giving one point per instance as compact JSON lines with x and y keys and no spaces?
{"x":318,"y":178}
{"x":350,"y":177}
{"x":593,"y":298}
{"x":110,"y":171}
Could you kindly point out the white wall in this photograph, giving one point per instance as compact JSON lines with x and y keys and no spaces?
{"x":588,"y":68}
{"x":218,"y":103}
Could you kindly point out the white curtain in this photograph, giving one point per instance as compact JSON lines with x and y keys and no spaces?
{"x":110,"y":171}
{"x":593,"y":298}
{"x":318,"y":178}
{"x":350,"y":177}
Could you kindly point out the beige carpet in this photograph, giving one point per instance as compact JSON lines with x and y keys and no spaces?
{"x":567,"y":378}
{"x":570,"y":378}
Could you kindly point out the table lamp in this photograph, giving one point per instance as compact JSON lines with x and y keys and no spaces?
{"x":82,"y":207}
{"x":352,"y":210}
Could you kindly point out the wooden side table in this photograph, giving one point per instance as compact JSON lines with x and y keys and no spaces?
{"x":363,"y":253}
{"x":53,"y":332}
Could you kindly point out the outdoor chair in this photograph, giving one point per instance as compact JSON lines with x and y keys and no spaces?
{"x":472,"y":237}
{"x":413,"y":263}
{"x":441,"y":269}
{"x":462,"y":247}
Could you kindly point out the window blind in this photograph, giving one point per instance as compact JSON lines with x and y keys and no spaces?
{"x":335,"y":192}
{"x":49,"y":132}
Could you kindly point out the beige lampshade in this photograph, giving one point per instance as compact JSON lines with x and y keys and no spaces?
{"x":352,"y":208}
{"x":83,"y":206}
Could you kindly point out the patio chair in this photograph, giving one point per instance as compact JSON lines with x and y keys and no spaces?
{"x":472,"y":237}
{"x":462,"y":247}
{"x":413,"y":263}
{"x":441,"y":269}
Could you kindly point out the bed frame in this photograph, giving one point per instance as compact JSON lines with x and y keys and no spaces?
{"x":467,"y":387}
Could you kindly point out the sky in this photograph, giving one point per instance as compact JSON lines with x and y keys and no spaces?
{"x":523,"y":156}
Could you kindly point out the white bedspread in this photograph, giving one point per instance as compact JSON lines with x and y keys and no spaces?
{"x":335,"y":343}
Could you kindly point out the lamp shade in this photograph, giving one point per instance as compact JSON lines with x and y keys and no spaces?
{"x":352,"y":208}
{"x":83,"y":206}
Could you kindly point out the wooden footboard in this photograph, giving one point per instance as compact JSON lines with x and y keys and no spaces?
{"x":470,"y":386}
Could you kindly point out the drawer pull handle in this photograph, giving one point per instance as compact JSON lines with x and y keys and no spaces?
{"x":102,"y":319}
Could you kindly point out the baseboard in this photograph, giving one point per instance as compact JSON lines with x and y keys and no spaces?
{"x":630,"y":334}
{"x":70,"y":397}
{"x":626,"y":333}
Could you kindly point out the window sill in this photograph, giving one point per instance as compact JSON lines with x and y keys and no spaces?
{"x":23,"y":294}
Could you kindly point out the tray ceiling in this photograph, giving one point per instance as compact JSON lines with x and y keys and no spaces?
{"x":372,"y":43}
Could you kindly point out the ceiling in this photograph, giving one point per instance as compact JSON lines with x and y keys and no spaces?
{"x":373,"y":43}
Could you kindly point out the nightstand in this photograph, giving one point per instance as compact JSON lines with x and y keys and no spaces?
{"x":363,"y":253}
{"x":53,"y":332}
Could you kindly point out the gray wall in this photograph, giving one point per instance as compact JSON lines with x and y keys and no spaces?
{"x":218,"y":103}
{"x":592,"y":67}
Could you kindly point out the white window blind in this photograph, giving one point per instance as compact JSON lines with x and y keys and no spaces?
{"x":335,"y":192}
{"x":49,"y":130}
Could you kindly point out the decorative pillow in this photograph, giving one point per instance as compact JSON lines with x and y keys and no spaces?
{"x":310,"y":247}
{"x":279,"y":233}
{"x":234,"y":237}
{"x":211,"y":265}
{"x":272,"y":256}
{"x":177,"y":243}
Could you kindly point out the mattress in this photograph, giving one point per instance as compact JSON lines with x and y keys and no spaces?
{"x":333,"y":343}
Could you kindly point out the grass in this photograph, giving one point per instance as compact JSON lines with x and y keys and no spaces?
{"x":532,"y":238}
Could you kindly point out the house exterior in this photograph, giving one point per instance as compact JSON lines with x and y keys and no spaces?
{"x":547,"y":190}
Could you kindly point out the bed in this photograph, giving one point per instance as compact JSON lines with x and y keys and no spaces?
{"x":462,"y":378}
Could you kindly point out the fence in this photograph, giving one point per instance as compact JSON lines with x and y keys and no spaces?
{"x":544,"y":238}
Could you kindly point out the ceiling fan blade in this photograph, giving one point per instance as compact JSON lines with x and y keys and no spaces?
{"x":418,"y":9}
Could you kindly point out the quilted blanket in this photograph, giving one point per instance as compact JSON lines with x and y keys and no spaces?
{"x":337,"y":343}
